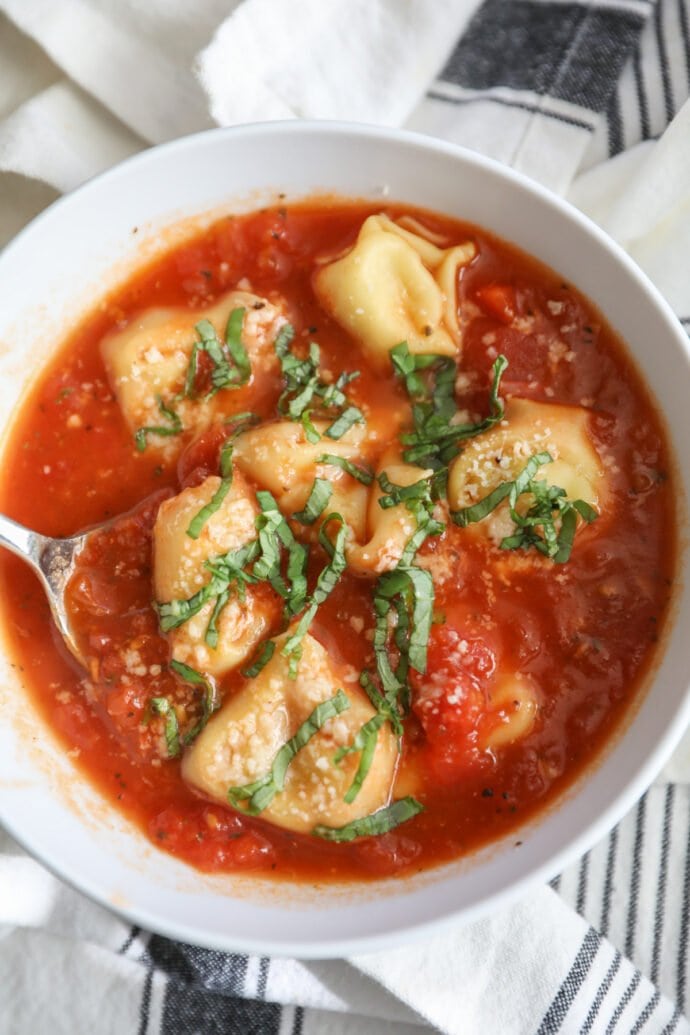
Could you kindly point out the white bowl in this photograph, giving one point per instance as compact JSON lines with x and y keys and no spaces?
{"x":53,"y":272}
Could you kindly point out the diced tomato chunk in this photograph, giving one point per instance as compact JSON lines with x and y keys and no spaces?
{"x":498,"y":300}
{"x":211,"y":838}
{"x":450,"y":700}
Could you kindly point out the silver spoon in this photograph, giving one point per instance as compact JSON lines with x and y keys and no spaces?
{"x":53,"y":560}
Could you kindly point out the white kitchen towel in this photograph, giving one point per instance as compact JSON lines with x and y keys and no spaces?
{"x":553,"y":88}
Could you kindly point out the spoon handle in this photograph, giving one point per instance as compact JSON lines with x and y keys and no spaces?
{"x":22,"y":541}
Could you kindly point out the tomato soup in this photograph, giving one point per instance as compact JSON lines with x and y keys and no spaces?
{"x":389,"y":546}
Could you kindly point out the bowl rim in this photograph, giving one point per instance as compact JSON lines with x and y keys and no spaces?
{"x":655,"y":758}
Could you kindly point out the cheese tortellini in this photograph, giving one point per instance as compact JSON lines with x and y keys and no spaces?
{"x":501,"y":453}
{"x":389,"y":530}
{"x":148,"y":360}
{"x":179,"y":573}
{"x":280,"y":458}
{"x":514,"y":702}
{"x":395,"y":285}
{"x":240,"y":742}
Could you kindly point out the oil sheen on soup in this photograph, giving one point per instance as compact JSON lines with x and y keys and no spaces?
{"x":389,"y":546}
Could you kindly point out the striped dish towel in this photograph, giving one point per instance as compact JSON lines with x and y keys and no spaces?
{"x":586,"y":97}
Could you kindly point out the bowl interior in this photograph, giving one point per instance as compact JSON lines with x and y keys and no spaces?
{"x":89,"y":241}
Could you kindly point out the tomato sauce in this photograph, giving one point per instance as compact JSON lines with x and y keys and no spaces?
{"x":584,"y":632}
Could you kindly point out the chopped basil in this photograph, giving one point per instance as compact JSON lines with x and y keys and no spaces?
{"x":408,"y":365}
{"x":404,"y":597}
{"x":199,"y":520}
{"x":395,"y":494}
{"x":261,"y":793}
{"x":296,"y":574}
{"x":310,"y":432}
{"x":365,"y":743}
{"x":586,"y":512}
{"x":239,"y":422}
{"x":325,"y":584}
{"x":226,"y":570}
{"x":238,"y":353}
{"x":362,"y":474}
{"x":211,"y":635}
{"x":415,"y":588}
{"x":260,"y":660}
{"x":350,"y":416}
{"x":267,"y":566}
{"x":210,"y":701}
{"x":427,"y":526}
{"x":175,"y":426}
{"x":478,"y":511}
{"x":379,"y":822}
{"x":306,"y":392}
{"x":162,"y":706}
{"x":549,"y":503}
{"x":436,"y":435}
{"x":321,"y":492}
{"x":225,"y":458}
{"x":230,"y":365}
{"x":174,"y":613}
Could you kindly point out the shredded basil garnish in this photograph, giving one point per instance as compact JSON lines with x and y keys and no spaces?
{"x":325,"y":584}
{"x":395,"y":494}
{"x":344,"y":422}
{"x":211,"y":635}
{"x":365,"y":744}
{"x":214,"y":504}
{"x":237,"y":351}
{"x":434,"y":442}
{"x":306,"y":393}
{"x":550,"y":502}
{"x":226,"y":571}
{"x":210,"y":701}
{"x":260,"y":659}
{"x":230,"y":365}
{"x":403,"y":601}
{"x":310,"y":432}
{"x":162,"y":706}
{"x":275,"y":535}
{"x":261,"y":793}
{"x":175,"y":426}
{"x":362,"y":474}
{"x":414,"y":589}
{"x":379,"y":822}
{"x":239,"y":422}
{"x":320,"y":494}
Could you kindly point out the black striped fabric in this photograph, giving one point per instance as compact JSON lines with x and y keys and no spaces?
{"x":611,"y":72}
{"x":634,"y":888}
{"x":653,"y":85}
{"x":572,"y":52}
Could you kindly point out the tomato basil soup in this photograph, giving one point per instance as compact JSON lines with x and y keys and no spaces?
{"x":389,"y":541}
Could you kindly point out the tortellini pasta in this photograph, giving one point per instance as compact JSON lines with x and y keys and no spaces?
{"x":279,"y":458}
{"x":501,"y":453}
{"x":239,"y":744}
{"x":179,"y":573}
{"x":514,"y":702}
{"x":395,"y":285}
{"x":388,"y":531}
{"x":147,"y":361}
